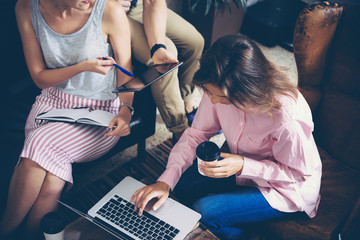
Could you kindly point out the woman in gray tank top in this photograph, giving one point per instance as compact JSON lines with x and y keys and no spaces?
{"x":65,"y":43}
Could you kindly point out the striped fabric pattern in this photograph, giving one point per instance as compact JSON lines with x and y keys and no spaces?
{"x":88,"y":191}
{"x":56,"y":145}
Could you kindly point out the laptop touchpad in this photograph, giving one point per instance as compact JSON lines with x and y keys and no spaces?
{"x":162,"y":210}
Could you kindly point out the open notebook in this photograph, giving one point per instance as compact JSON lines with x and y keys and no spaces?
{"x":115,"y":214}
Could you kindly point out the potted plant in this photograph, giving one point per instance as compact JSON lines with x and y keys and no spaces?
{"x":214,"y":18}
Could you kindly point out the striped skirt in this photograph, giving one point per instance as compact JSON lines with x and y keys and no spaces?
{"x":56,"y":145}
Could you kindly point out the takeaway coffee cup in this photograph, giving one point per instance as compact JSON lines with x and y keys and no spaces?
{"x":207,"y":151}
{"x":52,"y":225}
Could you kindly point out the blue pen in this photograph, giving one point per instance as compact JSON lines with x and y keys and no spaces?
{"x":121,"y":69}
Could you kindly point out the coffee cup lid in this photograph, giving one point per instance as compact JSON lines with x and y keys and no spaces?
{"x":208,"y":151}
{"x":52,"y":223}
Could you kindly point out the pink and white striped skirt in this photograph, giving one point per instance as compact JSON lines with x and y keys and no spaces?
{"x":56,"y":145}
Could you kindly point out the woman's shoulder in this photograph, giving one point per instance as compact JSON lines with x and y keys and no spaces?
{"x":113,"y":10}
{"x":22,"y":11}
{"x":22,"y":5}
{"x":113,"y":14}
{"x":294,"y":109}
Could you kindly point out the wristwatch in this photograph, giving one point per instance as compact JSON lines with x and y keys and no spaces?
{"x":156,"y":47}
{"x":129,"y":106}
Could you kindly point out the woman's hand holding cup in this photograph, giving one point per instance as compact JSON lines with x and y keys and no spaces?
{"x":212,"y":163}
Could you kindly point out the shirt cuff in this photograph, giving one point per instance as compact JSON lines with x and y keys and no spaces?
{"x":171,"y":177}
{"x":251,"y":168}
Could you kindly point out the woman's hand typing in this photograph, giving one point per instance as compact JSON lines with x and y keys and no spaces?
{"x":159,"y":190}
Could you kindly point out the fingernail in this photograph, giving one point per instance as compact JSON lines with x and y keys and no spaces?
{"x":155,"y":208}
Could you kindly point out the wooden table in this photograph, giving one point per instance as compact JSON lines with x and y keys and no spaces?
{"x":82,"y":229}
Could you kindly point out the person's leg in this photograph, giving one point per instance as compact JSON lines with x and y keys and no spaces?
{"x":46,"y":202}
{"x":224,"y":206}
{"x":24,"y":189}
{"x":226,"y":213}
{"x":166,"y":91}
{"x":190,"y":45}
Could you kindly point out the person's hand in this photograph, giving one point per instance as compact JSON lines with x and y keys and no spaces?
{"x":120,"y":124}
{"x":126,"y":4}
{"x":230,"y":164}
{"x":163,"y":56}
{"x":159,"y":190}
{"x":99,"y":65}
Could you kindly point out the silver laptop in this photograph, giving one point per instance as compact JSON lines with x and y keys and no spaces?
{"x":116,"y":214}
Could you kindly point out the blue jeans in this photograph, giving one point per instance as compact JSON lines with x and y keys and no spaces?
{"x":226,"y":208}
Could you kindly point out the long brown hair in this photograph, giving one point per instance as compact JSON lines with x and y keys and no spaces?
{"x":236,"y":65}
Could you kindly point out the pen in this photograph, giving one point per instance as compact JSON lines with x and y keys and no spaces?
{"x":121,"y":69}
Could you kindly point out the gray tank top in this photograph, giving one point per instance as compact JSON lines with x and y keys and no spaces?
{"x":61,"y":50}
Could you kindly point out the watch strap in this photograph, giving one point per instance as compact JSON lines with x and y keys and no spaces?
{"x":132,"y":111}
{"x":156,"y":47}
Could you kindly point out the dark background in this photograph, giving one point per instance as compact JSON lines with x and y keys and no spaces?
{"x":17,"y":95}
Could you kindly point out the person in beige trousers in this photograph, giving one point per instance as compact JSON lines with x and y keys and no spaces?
{"x":155,"y":28}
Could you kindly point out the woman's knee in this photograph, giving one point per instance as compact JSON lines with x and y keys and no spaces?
{"x":214,"y":219}
{"x":207,"y":208}
{"x":208,"y":217}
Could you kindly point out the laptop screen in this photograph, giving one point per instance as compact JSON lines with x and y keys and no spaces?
{"x":148,"y":77}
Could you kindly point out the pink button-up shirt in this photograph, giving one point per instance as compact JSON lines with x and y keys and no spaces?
{"x":280,"y":155}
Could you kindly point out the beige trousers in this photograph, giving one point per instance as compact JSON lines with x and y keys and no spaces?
{"x":170,"y":92}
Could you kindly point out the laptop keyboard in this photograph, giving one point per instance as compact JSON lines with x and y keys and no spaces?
{"x":121,"y":212}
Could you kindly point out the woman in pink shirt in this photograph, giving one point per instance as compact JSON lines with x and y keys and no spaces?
{"x":273,"y":170}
